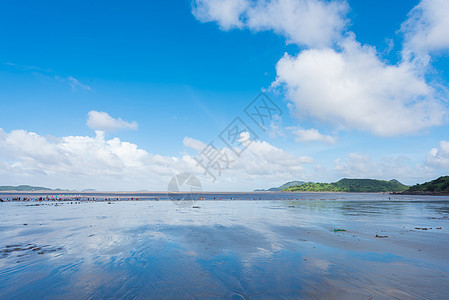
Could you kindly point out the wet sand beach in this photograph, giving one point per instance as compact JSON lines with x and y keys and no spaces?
{"x":334,"y":246}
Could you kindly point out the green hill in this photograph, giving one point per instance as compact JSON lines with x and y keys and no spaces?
{"x":24,"y":188}
{"x":439,"y":186}
{"x":286,"y":185}
{"x":351,"y":185}
{"x":371,"y":185}
{"x":314,"y":187}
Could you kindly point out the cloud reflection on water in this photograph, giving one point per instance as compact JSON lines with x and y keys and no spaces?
{"x":227,"y":249}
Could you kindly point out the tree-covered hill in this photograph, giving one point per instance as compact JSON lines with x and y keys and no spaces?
{"x":351,"y":185}
{"x":439,"y":186}
{"x":370,"y":185}
{"x":314,"y":187}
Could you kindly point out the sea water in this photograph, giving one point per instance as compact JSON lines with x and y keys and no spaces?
{"x":323,"y":245}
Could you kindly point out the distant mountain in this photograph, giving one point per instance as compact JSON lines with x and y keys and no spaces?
{"x":282,"y":187}
{"x":25,"y":188}
{"x":351,"y":185}
{"x":439,"y":186}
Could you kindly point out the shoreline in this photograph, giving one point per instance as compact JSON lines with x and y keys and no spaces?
{"x":186,"y":192}
{"x":179,"y":197}
{"x":422,"y":193}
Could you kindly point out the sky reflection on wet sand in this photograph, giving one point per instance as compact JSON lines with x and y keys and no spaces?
{"x":230,"y":249}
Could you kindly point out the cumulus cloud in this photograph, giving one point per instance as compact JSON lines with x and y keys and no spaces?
{"x":426,"y":30}
{"x":353,"y":88}
{"x":313,"y":23}
{"x":439,"y":158}
{"x":228,"y":13}
{"x":105,"y":163}
{"x":312,"y":135}
{"x":357,"y":165}
{"x":260,"y":159}
{"x":338,"y":80}
{"x":264,"y":158}
{"x":99,"y":120}
{"x":101,"y":163}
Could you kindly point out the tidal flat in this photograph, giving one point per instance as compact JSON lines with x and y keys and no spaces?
{"x":333,"y":246}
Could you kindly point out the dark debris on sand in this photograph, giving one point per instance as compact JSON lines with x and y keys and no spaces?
{"x":27,"y":249}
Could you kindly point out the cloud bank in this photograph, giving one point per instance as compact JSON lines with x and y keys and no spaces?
{"x":111,"y":164}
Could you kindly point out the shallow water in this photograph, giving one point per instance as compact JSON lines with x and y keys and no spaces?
{"x":228,"y":249}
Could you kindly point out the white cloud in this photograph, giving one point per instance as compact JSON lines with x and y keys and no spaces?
{"x":358,"y":165}
{"x":87,"y":161}
{"x":338,"y":80}
{"x":194,"y":144}
{"x":276,"y":129}
{"x":259,"y":160}
{"x":353,"y":88}
{"x":112,"y":164}
{"x":426,"y":30}
{"x":99,"y":120}
{"x":439,"y":158}
{"x":312,"y":23}
{"x":305,"y":22}
{"x":227,"y":13}
{"x":312,"y":135}
{"x":263,"y":158}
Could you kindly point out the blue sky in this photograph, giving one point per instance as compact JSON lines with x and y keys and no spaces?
{"x":363,"y":90}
